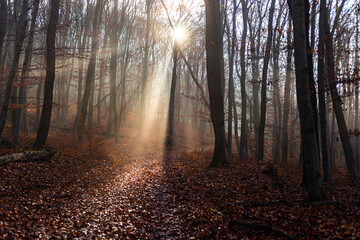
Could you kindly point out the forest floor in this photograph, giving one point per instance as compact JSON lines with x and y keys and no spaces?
{"x":120,"y":191}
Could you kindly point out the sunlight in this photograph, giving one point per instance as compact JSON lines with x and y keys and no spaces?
{"x":154,"y":128}
{"x":179,"y":34}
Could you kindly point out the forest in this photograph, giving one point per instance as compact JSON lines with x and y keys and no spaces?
{"x":179,"y":119}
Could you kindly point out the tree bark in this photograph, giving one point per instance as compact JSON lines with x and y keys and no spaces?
{"x":44,"y":123}
{"x":90,"y":75}
{"x":260,"y":143}
{"x":336,"y":100}
{"x":82,"y":40}
{"x":310,"y":147}
{"x":24,"y":73}
{"x":243,"y":131}
{"x":170,"y":124}
{"x":215,"y":79}
{"x":3,"y":26}
{"x":113,"y":68}
{"x":231,"y":92}
{"x":28,"y":156}
{"x":357,"y":138}
{"x":19,"y":40}
{"x":145,"y":67}
{"x":287,"y":96}
{"x":321,"y":93}
{"x":101,"y":77}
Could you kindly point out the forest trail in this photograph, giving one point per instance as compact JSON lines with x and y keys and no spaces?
{"x":126,"y":197}
{"x":137,"y":204}
{"x":145,"y":193}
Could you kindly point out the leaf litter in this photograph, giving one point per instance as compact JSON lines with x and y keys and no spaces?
{"x":106,"y":191}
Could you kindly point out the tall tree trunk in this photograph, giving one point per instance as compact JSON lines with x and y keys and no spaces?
{"x":170,"y":124}
{"x":39,"y":94}
{"x":91,"y":107}
{"x":243,"y":134}
{"x":101,"y":77}
{"x":145,"y":67}
{"x":19,"y":39}
{"x":357,"y":138}
{"x":231,"y":93}
{"x":260,"y":143}
{"x":280,"y":24}
{"x":312,"y":83}
{"x":24,"y":73}
{"x":308,"y":131}
{"x":215,"y":79}
{"x":7,"y":49}
{"x":44,"y":122}
{"x":336,"y":100}
{"x":284,"y":150}
{"x":82,"y":40}
{"x":236,"y":126}
{"x":3,"y":26}
{"x":321,"y":93}
{"x":124,"y":65}
{"x":113,"y":68}
{"x":58,"y":92}
{"x":90,"y":75}
{"x":255,"y":85}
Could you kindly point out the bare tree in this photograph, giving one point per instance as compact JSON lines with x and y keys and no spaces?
{"x":90,"y":75}
{"x":243,"y":139}
{"x":45,"y":118}
{"x":3,"y":25}
{"x":170,"y":124}
{"x":149,"y":4}
{"x":308,"y":130}
{"x":113,"y":68}
{"x":24,"y":73}
{"x":260,"y":143}
{"x":336,"y":100}
{"x":322,"y":100}
{"x":19,"y":40}
{"x":215,"y":79}
{"x":284,"y":150}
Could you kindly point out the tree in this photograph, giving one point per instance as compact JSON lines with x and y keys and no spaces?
{"x":231,"y":91}
{"x":336,"y":100}
{"x":279,"y":27}
{"x":260,"y":143}
{"x":170,"y":124}
{"x":45,"y":118}
{"x":215,"y":79}
{"x":284,"y":150}
{"x":3,"y":25}
{"x":24,"y":73}
{"x":90,"y":74}
{"x":243,"y":137}
{"x":19,"y":40}
{"x":356,"y":73}
{"x":113,"y":68}
{"x":321,"y":93}
{"x":308,"y":131}
{"x":149,"y":4}
{"x":255,"y":42}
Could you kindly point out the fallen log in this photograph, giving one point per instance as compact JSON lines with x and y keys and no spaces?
{"x":28,"y":156}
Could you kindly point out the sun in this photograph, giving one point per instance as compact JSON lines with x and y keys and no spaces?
{"x":179,"y":34}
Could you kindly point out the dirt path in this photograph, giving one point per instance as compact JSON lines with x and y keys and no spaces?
{"x":123,"y":207}
{"x":130,"y":199}
{"x":145,"y":194}
{"x":137,"y":204}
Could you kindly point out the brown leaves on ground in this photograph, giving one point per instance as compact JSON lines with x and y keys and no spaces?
{"x":245,"y":199}
{"x":103,"y":190}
